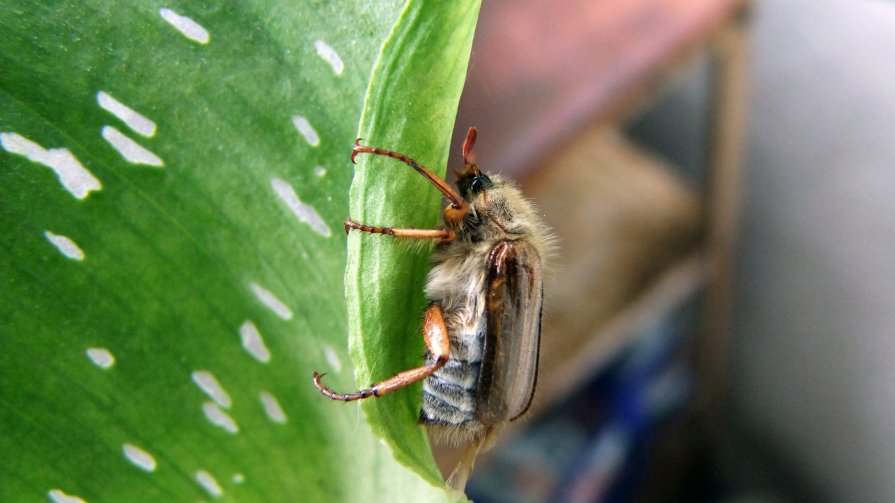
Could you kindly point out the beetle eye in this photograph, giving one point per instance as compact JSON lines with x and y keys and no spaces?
{"x":479,"y":184}
{"x":473,"y":184}
{"x":476,"y":185}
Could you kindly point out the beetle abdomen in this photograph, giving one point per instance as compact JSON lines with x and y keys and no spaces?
{"x":446,"y":399}
{"x":449,"y":395}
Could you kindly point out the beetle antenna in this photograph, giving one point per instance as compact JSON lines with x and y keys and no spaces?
{"x":471,"y":135}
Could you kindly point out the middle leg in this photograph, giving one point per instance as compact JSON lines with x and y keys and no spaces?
{"x":412,"y":233}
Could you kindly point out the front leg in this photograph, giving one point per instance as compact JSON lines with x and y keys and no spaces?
{"x":437,"y":342}
{"x":458,"y":206}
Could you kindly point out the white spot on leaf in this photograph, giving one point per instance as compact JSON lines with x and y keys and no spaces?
{"x":219,"y":418}
{"x":306,"y":129}
{"x":65,"y":245}
{"x":206,"y":382}
{"x":59,"y":496}
{"x":320,"y":171}
{"x":138,"y":122}
{"x":72,"y":174}
{"x":208,"y":482}
{"x":303,"y":211}
{"x":238,"y":478}
{"x":132,"y":151}
{"x":330,"y":56}
{"x":140,"y":458}
{"x":271,"y":301}
{"x":332,"y":358}
{"x":253,"y":343}
{"x":101,"y":357}
{"x":189,"y":28}
{"x":272,"y":408}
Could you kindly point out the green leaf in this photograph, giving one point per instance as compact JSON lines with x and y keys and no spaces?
{"x":411,"y":107}
{"x":140,"y":267}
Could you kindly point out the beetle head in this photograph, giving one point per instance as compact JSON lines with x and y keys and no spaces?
{"x":471,"y":182}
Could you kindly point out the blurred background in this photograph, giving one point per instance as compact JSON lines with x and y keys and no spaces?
{"x":719,"y":322}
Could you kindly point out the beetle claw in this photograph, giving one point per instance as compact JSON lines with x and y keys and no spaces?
{"x":355,"y":150}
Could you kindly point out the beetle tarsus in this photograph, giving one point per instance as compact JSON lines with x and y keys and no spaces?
{"x":351,"y":224}
{"x":343,"y":397}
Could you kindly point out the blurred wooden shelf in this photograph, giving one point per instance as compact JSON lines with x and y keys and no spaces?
{"x":630,"y":239}
{"x":549,"y":88}
{"x":629,"y":234}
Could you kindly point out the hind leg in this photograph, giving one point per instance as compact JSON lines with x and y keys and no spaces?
{"x":437,"y":342}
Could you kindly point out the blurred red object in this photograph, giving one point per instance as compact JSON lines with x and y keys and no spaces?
{"x":541,"y":70}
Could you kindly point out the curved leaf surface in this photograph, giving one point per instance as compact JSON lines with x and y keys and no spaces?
{"x":411,"y":107}
{"x":173,"y":178}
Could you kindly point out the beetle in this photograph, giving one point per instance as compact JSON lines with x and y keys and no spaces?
{"x":482,"y":326}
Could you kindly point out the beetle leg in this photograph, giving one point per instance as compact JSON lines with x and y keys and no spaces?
{"x":440,"y":234}
{"x":437,"y":342}
{"x":458,"y":204}
{"x":460,"y":475}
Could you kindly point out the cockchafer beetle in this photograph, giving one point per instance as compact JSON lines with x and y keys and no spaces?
{"x":483,"y":324}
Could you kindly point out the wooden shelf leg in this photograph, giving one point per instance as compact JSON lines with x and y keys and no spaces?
{"x":722,"y":200}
